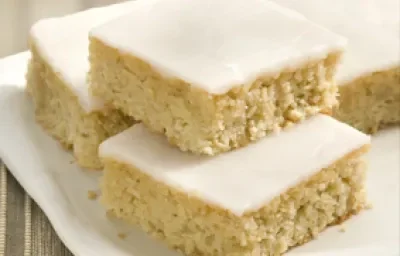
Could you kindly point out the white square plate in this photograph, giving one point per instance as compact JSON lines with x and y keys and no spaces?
{"x":60,"y":187}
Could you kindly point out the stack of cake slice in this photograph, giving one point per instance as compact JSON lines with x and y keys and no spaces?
{"x":234,"y":155}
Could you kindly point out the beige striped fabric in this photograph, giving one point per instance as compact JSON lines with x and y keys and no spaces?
{"x":24,"y":229}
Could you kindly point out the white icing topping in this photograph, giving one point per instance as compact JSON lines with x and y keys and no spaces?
{"x":372,"y":28}
{"x":245,"y":179}
{"x":216,"y":45}
{"x":63,"y":43}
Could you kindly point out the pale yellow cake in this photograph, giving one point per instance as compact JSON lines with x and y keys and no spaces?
{"x":181,"y":69}
{"x":369,"y":76}
{"x":260,"y":200}
{"x":56,"y":81}
{"x":372,"y":101}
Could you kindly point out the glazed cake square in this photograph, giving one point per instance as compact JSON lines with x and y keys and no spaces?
{"x":214,"y":75}
{"x":263,"y":199}
{"x":369,"y":76}
{"x":56,"y":81}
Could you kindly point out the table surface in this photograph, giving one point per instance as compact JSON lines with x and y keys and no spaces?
{"x":24,"y":229}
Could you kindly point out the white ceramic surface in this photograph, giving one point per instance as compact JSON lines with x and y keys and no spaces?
{"x":45,"y":170}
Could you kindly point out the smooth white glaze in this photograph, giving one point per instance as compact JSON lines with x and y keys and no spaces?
{"x":63,"y":43}
{"x":245,"y":179}
{"x":372,"y":28}
{"x":216,"y":45}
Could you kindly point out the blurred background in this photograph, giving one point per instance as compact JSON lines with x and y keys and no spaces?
{"x":17,"y":16}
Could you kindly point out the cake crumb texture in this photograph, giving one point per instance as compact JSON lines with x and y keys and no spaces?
{"x":92,"y":195}
{"x":58,"y":111}
{"x":194,"y":227}
{"x":205,"y":123}
{"x":122,"y":235}
{"x":371,"y":102}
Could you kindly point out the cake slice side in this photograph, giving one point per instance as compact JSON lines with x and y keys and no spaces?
{"x":60,"y":114}
{"x":56,"y":82}
{"x":370,"y":102}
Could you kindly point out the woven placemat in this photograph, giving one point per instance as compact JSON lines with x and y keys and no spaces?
{"x":24,"y":228}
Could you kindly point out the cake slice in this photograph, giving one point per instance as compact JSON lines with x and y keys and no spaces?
{"x":369,"y":77}
{"x":56,"y":80}
{"x":260,"y":200}
{"x":214,"y":75}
